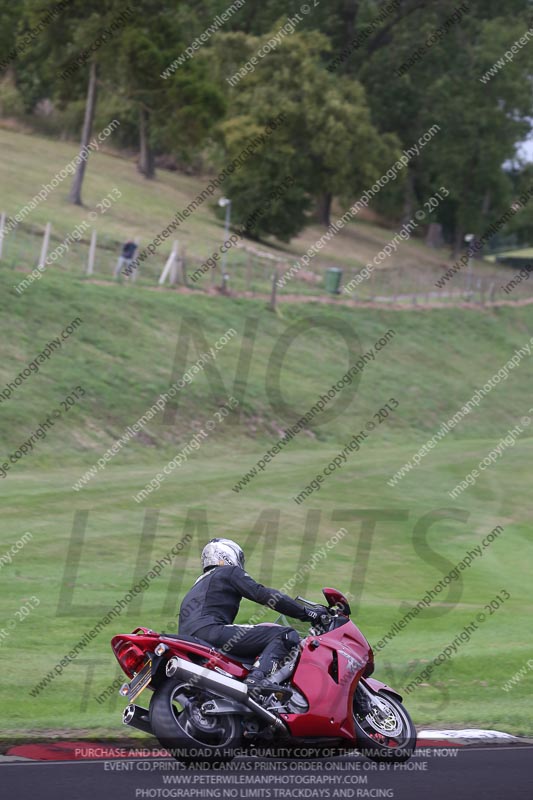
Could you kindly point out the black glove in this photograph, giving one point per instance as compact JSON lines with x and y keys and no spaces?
{"x":316,"y":614}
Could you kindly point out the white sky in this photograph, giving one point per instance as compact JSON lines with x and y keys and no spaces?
{"x":525,"y":150}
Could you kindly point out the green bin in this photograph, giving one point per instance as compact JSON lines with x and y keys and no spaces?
{"x":333,"y":280}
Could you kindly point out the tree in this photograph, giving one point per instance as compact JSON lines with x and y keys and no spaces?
{"x":480,"y":124}
{"x":266,"y":196}
{"x":327,"y":141}
{"x":122,"y":55}
{"x":90,"y":107}
{"x":175,"y":114}
{"x":71,"y":35}
{"x":10,"y":19}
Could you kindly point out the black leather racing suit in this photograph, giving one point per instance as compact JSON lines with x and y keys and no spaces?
{"x":209,"y":608}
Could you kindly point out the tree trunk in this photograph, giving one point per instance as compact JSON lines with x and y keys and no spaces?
{"x":90,"y":106}
{"x":323,"y":208}
{"x":459,"y":241}
{"x":434,"y":237}
{"x":485,"y":206}
{"x":146,"y":165}
{"x":408,"y":197}
{"x":348,"y":13}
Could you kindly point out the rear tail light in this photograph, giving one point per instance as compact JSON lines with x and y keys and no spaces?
{"x":130,"y":657}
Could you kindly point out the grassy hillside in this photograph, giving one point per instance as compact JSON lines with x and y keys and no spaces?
{"x":124,"y":350}
{"x":122,"y":355}
{"x":129,"y":343}
{"x":466,"y":690}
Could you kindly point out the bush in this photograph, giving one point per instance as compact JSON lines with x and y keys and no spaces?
{"x":11,"y":104}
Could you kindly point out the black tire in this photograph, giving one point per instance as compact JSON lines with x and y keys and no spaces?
{"x":185,"y":732}
{"x":387,"y":732}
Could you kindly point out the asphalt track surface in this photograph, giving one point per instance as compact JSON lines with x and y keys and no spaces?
{"x":470,"y":773}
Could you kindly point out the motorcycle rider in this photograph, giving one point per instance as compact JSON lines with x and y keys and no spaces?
{"x":215,"y":596}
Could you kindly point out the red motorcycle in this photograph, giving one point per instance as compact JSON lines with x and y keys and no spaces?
{"x":324,"y":698}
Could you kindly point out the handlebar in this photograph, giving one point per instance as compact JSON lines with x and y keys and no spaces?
{"x":325,"y":622}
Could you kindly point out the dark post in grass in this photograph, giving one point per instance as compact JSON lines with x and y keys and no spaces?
{"x":273,"y":296}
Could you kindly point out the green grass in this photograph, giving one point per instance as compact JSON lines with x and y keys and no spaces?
{"x":123,"y":354}
{"x":124,"y":350}
{"x":465,"y":690}
{"x":132,"y":344}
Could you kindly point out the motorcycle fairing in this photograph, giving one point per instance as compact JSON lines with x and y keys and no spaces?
{"x":327,"y":675}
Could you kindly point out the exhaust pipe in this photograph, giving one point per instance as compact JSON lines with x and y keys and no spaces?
{"x":222,"y":684}
{"x":137,"y":717}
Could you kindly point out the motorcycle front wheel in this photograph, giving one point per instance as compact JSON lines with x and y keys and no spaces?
{"x":385,"y":732}
{"x":177,"y":721}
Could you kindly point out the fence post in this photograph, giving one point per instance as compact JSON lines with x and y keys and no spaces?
{"x":252,"y":274}
{"x":2,"y":226}
{"x":248,"y":272}
{"x":183,"y":264}
{"x":170,"y":263}
{"x":273,"y":295}
{"x":395,"y":284}
{"x":372,"y":284}
{"x":92,"y":252}
{"x":173,"y":277}
{"x":44,"y":248}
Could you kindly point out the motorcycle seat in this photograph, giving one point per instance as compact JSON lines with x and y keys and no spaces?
{"x":244,"y":660}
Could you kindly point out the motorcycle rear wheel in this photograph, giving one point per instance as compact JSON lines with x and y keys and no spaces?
{"x":387,"y":732}
{"x":185,"y":732}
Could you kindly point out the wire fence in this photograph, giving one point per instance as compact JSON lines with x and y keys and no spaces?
{"x":253,"y":273}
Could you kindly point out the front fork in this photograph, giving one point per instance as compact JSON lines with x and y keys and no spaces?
{"x":368,"y":701}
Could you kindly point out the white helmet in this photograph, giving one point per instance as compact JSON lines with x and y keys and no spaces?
{"x":222,"y":553}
